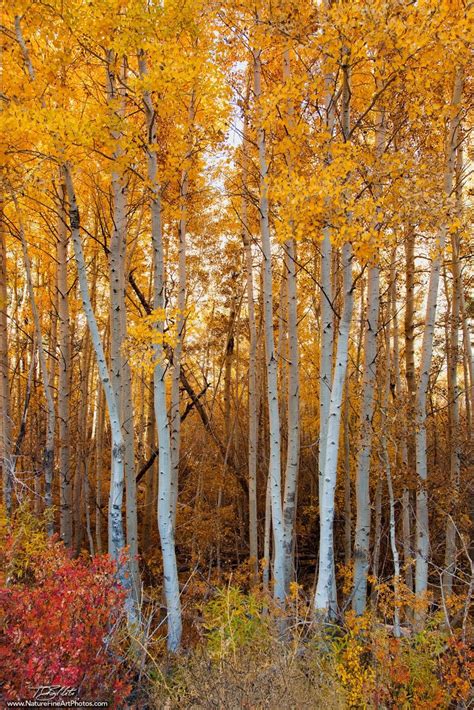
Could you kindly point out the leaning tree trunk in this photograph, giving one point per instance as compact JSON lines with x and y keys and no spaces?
{"x":116,"y":531}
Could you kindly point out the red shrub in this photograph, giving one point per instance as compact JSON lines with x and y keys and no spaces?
{"x":57,"y":629}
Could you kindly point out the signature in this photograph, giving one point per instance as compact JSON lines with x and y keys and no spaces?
{"x":51,"y":692}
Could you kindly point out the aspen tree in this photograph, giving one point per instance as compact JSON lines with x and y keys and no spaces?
{"x":453,"y":388}
{"x":64,"y":371}
{"x":48,"y":454}
{"x":362,"y":533}
{"x":391,"y":497}
{"x":422,"y":530}
{"x":324,"y":601}
{"x":293,"y":407}
{"x":270,"y":356}
{"x":6,"y":459}
{"x":252,"y":376}
{"x":116,"y":536}
{"x":120,"y":368}
{"x":180,"y":315}
{"x":409,"y":332}
{"x":165,"y":492}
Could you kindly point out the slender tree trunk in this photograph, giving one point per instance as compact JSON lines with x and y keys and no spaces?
{"x":270,"y":356}
{"x":410,"y":376}
{"x":377,"y":530}
{"x":116,"y":532}
{"x":151,"y":476}
{"x":422,"y":532}
{"x":347,"y":479}
{"x":180,"y":322}
{"x":165,"y":491}
{"x":267,"y":536}
{"x":293,"y":448}
{"x":120,"y":369}
{"x":64,"y":374}
{"x":402,"y":426}
{"x":48,"y":454}
{"x":252,"y":376}
{"x":99,"y":443}
{"x":6,"y":458}
{"x":362,"y":534}
{"x":453,"y":392}
{"x":324,"y":599}
{"x":293,"y":401}
{"x":327,"y":318}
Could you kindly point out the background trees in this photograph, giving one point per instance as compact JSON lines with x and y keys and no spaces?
{"x":270,"y":261}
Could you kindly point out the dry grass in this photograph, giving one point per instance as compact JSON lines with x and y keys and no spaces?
{"x":277,"y":677}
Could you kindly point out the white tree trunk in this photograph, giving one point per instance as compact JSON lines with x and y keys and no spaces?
{"x":178,"y":348}
{"x":325,"y":601}
{"x":422,"y":532}
{"x":362,"y":533}
{"x":324,"y":597}
{"x":165,"y":492}
{"x":293,"y":406}
{"x":270,"y":357}
{"x":6,"y":459}
{"x":120,"y":369}
{"x":99,"y":439}
{"x":252,"y":376}
{"x":64,"y":374}
{"x":180,"y":322}
{"x":327,"y":315}
{"x":293,"y":449}
{"x":116,"y":532}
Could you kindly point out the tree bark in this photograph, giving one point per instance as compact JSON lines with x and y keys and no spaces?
{"x":165,"y":492}
{"x":116,"y":538}
{"x":48,"y":453}
{"x":362,"y":534}
{"x":6,"y":458}
{"x":64,"y":373}
{"x":120,"y":369}
{"x":422,"y":531}
{"x":325,"y":596}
